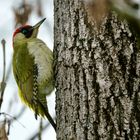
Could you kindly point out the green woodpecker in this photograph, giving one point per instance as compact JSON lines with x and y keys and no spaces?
{"x":33,"y":69}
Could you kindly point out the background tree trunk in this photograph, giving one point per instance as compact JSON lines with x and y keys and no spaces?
{"x":97,"y":76}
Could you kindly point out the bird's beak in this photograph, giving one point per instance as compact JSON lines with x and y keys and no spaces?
{"x":36,"y":27}
{"x":39,"y":23}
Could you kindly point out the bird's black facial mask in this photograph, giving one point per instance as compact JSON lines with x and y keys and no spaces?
{"x":27,"y":31}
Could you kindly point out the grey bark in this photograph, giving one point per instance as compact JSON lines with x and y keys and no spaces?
{"x":97,"y":76}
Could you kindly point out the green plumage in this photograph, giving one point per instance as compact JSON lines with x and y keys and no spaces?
{"x":23,"y":63}
{"x":27,"y":80}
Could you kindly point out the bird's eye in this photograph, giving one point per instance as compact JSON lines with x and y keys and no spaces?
{"x":27,"y":31}
{"x":24,"y":31}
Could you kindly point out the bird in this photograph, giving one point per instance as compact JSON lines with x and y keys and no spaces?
{"x":33,"y":69}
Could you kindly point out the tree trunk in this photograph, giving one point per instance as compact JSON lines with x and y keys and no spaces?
{"x":97,"y":74}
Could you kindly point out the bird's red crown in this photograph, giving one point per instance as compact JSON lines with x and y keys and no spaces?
{"x":18,"y":30}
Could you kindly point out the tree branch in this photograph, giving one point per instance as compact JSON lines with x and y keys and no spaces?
{"x":3,"y":83}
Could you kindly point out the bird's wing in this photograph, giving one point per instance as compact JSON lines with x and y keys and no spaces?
{"x":26,"y":72}
{"x":33,"y":66}
{"x":23,"y":69}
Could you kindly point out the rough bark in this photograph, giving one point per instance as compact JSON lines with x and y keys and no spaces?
{"x":97,"y":76}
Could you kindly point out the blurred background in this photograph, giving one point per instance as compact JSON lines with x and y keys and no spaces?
{"x":16,"y":120}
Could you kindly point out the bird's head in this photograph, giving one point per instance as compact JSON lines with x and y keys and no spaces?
{"x":26,"y":32}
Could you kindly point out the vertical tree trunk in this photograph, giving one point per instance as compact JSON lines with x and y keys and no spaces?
{"x":97,"y":76}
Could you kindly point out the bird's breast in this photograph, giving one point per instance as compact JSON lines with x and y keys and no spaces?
{"x":39,"y":52}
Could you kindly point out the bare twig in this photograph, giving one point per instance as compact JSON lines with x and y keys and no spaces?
{"x":40,"y":129}
{"x":3,"y":42}
{"x":13,"y":118}
{"x":33,"y":137}
{"x":3,"y":83}
{"x":8,"y":131}
{"x":8,"y":72}
{"x":37,"y":133}
{"x":19,"y":114}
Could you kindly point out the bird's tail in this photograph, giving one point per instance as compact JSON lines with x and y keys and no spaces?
{"x":50,"y":120}
{"x":46,"y":112}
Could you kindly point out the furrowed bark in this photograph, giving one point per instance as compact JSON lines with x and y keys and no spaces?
{"x":97,"y":75}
